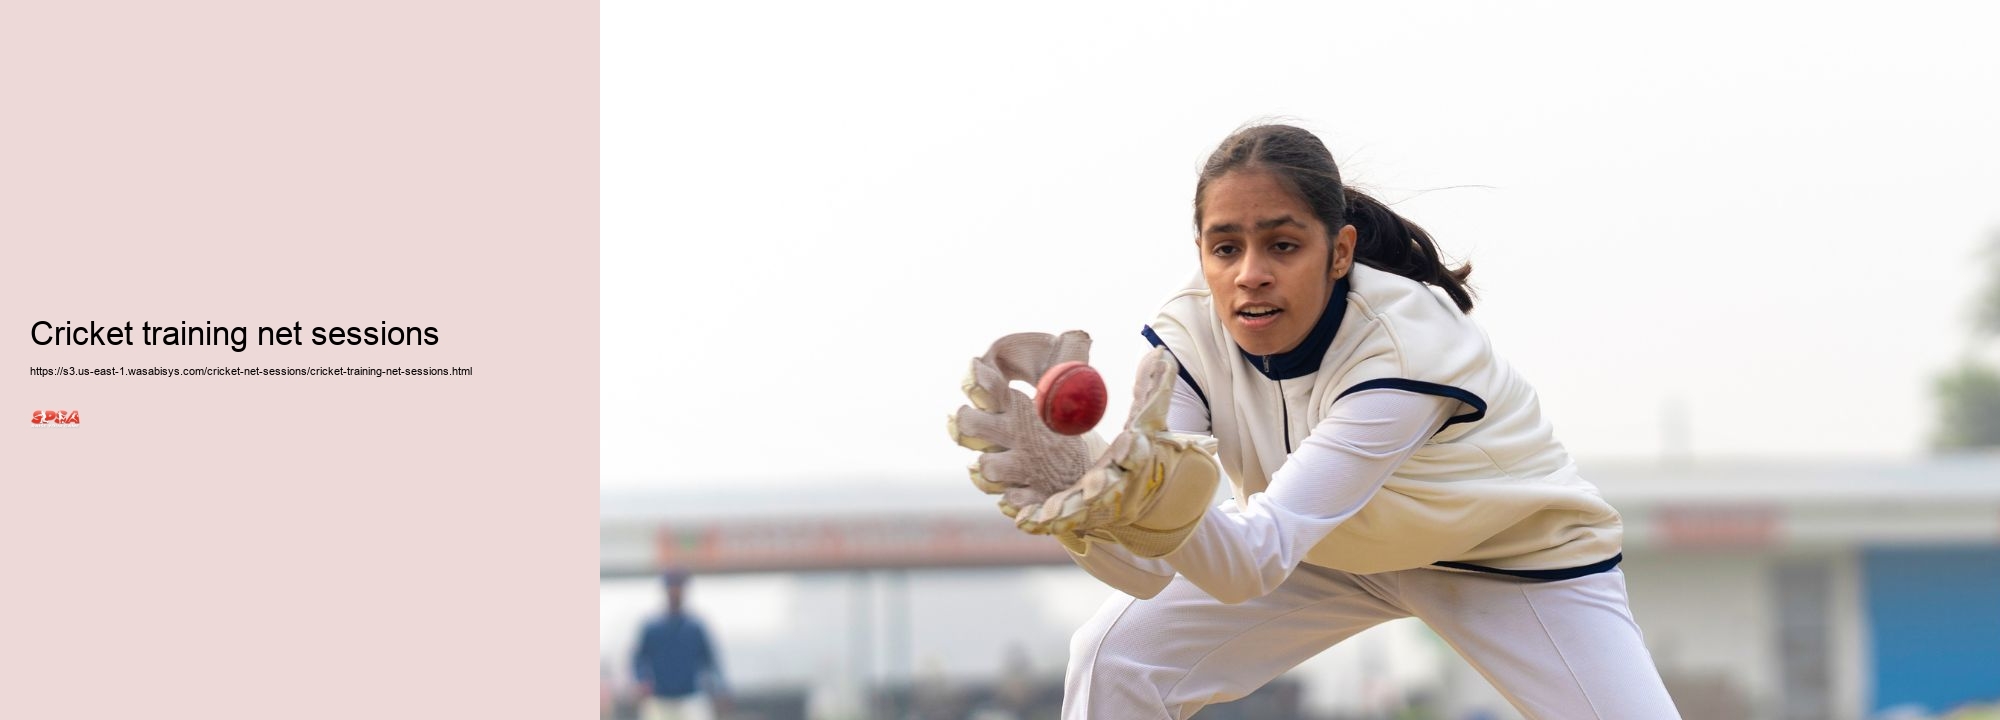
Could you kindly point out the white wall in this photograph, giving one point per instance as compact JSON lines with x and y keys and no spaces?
{"x":1709,"y":613}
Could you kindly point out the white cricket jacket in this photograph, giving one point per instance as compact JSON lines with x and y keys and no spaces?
{"x":1491,"y":491}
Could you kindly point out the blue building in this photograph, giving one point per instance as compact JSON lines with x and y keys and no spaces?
{"x":1791,"y":590}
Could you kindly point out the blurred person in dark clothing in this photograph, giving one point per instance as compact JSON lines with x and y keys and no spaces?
{"x":675,"y":664}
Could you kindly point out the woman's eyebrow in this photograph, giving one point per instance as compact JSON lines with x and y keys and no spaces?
{"x":1276,"y":221}
{"x":1261,"y":224}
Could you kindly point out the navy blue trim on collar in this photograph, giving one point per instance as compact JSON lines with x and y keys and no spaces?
{"x":1544,"y":575}
{"x":1305,"y":359}
{"x":1154,"y":338}
{"x":1426,"y":388}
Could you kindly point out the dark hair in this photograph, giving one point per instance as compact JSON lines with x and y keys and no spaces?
{"x":1386,"y":241}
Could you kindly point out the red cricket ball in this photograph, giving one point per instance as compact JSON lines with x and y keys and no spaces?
{"x":1070,"y":398}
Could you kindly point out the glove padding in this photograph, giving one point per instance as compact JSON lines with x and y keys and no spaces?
{"x":1146,"y":491}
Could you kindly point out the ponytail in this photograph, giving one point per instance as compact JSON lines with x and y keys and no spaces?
{"x":1390,"y":243}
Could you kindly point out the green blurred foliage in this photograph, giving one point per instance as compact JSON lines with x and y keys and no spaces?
{"x":1969,"y":398}
{"x":1969,"y":395}
{"x":1986,"y":311}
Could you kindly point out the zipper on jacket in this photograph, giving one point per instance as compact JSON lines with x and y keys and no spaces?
{"x":1286,"y":407}
{"x":1285,"y":429}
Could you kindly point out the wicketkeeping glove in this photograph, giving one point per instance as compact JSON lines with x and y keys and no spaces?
{"x":1021,"y":460}
{"x":1146,"y":490}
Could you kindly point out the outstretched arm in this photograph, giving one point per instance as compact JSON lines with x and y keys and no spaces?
{"x":1245,"y":550}
{"x":1149,"y":494}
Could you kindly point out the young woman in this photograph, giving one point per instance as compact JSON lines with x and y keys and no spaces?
{"x":1385,"y":462}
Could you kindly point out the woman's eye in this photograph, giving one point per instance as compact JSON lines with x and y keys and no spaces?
{"x":1285,"y":246}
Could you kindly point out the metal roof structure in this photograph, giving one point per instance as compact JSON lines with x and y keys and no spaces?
{"x":903,"y":523}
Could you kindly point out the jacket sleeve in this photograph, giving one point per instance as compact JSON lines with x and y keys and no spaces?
{"x":711,"y":664}
{"x":642,"y":670}
{"x":1245,"y":550}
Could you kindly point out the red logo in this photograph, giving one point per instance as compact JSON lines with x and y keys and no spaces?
{"x":56,"y":417}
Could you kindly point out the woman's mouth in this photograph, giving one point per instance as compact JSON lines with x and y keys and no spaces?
{"x":1256,"y":317}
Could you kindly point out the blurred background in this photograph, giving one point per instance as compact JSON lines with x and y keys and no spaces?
{"x":1750,"y":257}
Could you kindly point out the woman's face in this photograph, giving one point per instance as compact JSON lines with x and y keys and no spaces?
{"x":1266,"y":259}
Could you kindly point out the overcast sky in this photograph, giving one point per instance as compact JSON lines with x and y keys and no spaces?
{"x":814,"y":215}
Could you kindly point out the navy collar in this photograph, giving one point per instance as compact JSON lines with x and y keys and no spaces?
{"x":1305,"y":359}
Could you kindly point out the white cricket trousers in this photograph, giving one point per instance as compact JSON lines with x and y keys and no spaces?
{"x":1557,"y":650}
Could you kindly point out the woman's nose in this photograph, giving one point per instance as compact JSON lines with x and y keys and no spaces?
{"x":1255,"y":272}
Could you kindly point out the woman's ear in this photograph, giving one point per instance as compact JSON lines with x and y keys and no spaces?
{"x":1343,"y":252}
